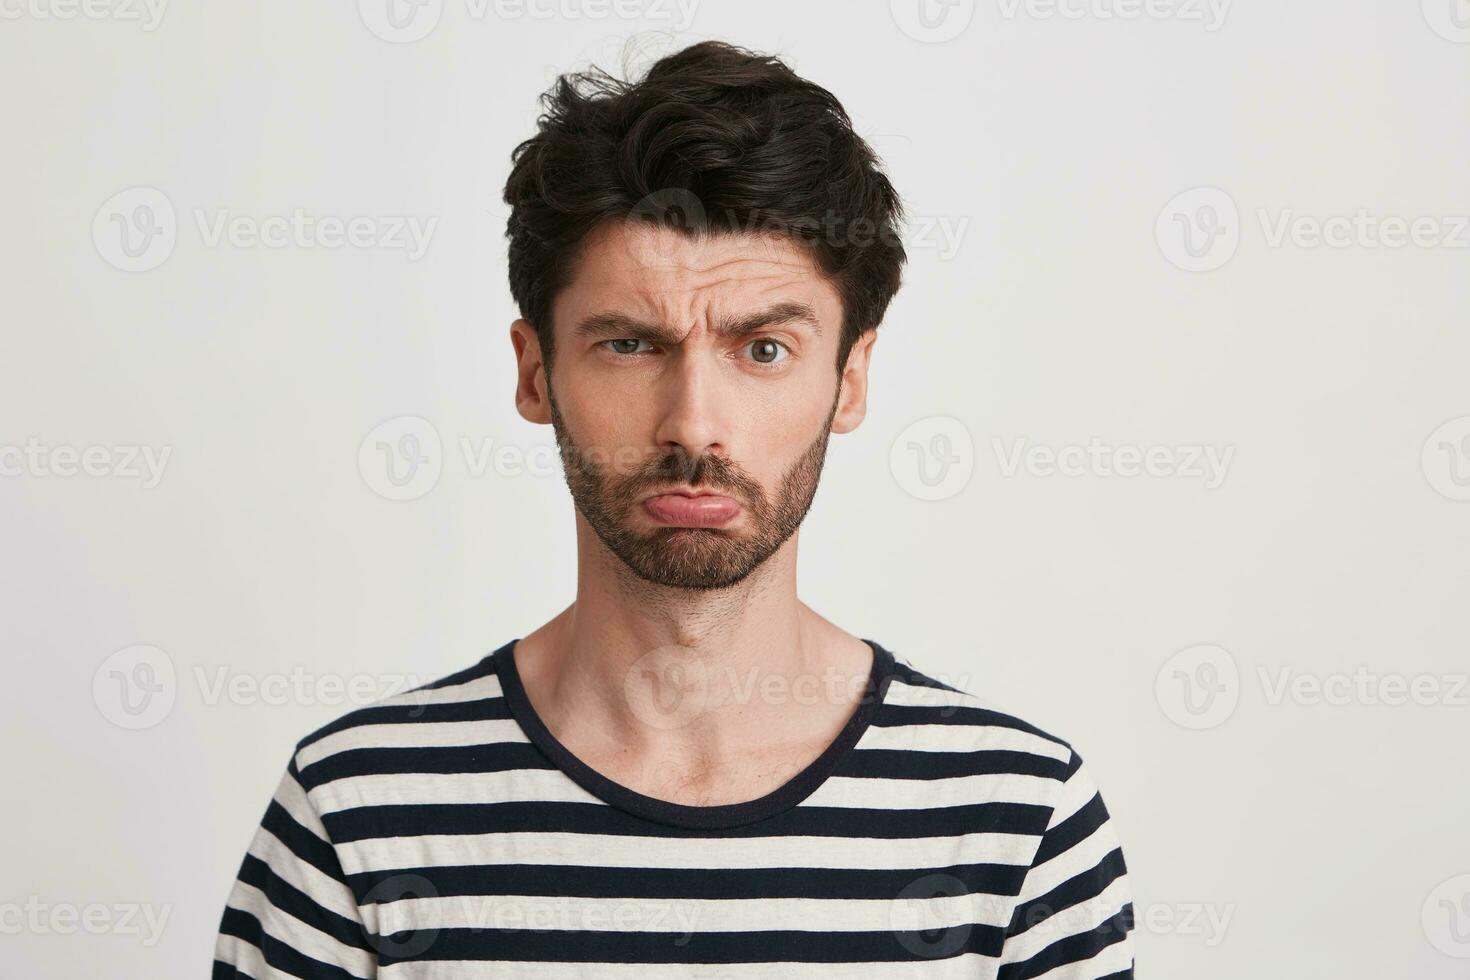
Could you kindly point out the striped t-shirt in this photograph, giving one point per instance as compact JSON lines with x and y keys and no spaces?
{"x":445,"y":832}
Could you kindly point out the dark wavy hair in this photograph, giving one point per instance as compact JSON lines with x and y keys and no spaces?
{"x":713,"y":138}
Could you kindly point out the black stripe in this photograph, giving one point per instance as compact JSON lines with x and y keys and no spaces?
{"x":1082,"y":946}
{"x":489,"y":757}
{"x":374,"y":714}
{"x":508,"y":756}
{"x":1082,"y":887}
{"x":911,"y":764}
{"x":1072,"y":831}
{"x":704,"y":883}
{"x":288,"y":898}
{"x":616,"y":946}
{"x":244,"y":926}
{"x":893,"y":715}
{"x":301,"y":842}
{"x":412,"y":820}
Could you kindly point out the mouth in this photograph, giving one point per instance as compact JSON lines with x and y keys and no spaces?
{"x":691,"y":508}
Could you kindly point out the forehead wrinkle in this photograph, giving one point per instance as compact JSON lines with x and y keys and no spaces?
{"x":729,"y":297}
{"x":786,"y":308}
{"x":679,"y":289}
{"x":721,"y":275}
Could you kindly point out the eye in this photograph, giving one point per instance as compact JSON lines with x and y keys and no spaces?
{"x":768,"y":351}
{"x":617,"y":347}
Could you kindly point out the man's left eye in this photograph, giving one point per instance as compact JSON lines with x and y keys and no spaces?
{"x":767,"y":351}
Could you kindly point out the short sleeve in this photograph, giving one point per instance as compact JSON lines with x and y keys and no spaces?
{"x":290,"y":912}
{"x":1073,"y":919}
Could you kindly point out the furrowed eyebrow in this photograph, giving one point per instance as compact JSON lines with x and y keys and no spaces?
{"x":622,"y":326}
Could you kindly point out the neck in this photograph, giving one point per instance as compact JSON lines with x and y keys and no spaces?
{"x":639,"y":676}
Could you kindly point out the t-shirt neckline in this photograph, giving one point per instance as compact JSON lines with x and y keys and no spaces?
{"x":778,"y":800}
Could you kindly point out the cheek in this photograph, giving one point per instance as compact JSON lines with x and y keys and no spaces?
{"x":609,"y":427}
{"x":772,"y":439}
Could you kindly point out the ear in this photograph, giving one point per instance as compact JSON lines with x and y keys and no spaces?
{"x":852,"y":406}
{"x":531,"y":398}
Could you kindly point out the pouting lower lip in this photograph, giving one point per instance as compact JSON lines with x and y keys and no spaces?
{"x":686,"y":510}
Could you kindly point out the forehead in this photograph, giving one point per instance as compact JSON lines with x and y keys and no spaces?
{"x":643,"y":269}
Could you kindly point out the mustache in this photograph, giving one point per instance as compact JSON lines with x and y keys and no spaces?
{"x":706,"y":471}
{"x":703,"y":472}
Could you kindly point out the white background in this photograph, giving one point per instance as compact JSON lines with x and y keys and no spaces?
{"x":1326,"y":837}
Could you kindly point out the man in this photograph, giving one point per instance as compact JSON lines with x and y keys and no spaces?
{"x":688,"y":772}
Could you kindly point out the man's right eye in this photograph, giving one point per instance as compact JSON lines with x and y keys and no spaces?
{"x":619,"y":348}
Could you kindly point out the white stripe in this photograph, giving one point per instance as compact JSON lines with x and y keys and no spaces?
{"x":474,"y":689}
{"x":688,"y":915}
{"x":614,"y":851}
{"x":553,"y":785}
{"x":960,"y":738}
{"x":964,"y":967}
{"x":412,"y":735}
{"x":1081,"y":856}
{"x":300,"y":936}
{"x":1071,"y":921}
{"x":326,"y":891}
{"x":1114,"y":958}
{"x":243,"y":957}
{"x":294,"y":800}
{"x":460,"y":788}
{"x":890,"y":794}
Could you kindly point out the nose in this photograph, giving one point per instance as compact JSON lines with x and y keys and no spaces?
{"x":693,"y":407}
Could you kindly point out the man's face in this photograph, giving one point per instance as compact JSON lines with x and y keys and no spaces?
{"x":692,"y":394}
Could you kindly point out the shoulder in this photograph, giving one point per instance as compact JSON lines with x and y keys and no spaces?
{"x":439,"y":712}
{"x":925,"y":713}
